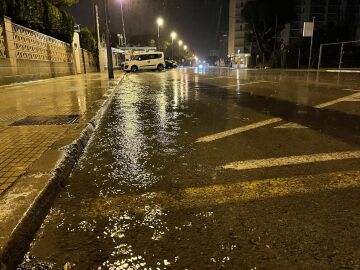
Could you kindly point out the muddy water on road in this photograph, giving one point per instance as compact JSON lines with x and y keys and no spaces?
{"x":146,"y":196}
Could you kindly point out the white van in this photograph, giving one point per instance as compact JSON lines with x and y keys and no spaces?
{"x":145,"y":61}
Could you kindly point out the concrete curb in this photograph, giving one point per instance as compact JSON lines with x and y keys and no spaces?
{"x":32,"y":216}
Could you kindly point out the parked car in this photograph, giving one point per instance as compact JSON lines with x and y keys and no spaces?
{"x":145,"y":61}
{"x":170,"y":64}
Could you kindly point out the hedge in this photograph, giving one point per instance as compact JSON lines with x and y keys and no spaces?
{"x":40,"y":15}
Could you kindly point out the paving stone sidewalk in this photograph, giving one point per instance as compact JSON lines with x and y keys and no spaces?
{"x":25,"y":134}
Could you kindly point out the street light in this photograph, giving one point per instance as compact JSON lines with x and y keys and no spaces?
{"x":123,"y":21}
{"x":180,"y":43}
{"x":108,"y":45}
{"x":185,"y":47}
{"x":173,"y":36}
{"x":159,"y":22}
{"x":120,"y":37}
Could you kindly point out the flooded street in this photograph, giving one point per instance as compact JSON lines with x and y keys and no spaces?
{"x":215,"y":169}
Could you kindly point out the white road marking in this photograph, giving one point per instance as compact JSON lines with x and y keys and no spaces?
{"x":292,"y":160}
{"x":352,"y":90}
{"x":241,"y":84}
{"x":213,"y":78}
{"x":238,"y":130}
{"x":352,"y":97}
{"x":221,"y":194}
{"x":291,"y":125}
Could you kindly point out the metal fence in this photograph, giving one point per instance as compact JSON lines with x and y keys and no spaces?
{"x":339,"y":55}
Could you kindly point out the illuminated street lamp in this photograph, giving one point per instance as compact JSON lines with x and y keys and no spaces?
{"x":108,"y":45}
{"x":185,"y":47}
{"x":123,"y":21}
{"x":160,"y":23}
{"x":173,"y":36}
{"x":120,"y":37}
{"x":180,"y":43}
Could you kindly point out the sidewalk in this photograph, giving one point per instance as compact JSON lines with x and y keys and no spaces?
{"x":38,"y":120}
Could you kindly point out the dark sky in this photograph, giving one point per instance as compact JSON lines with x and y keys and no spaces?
{"x":196,"y":21}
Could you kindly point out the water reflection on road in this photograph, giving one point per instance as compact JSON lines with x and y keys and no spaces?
{"x":146,"y":196}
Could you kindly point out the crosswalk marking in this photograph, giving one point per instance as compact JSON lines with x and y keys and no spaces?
{"x":238,"y":130}
{"x":291,"y":160}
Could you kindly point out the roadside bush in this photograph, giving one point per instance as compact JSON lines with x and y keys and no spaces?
{"x":87,"y":40}
{"x":40,"y":15}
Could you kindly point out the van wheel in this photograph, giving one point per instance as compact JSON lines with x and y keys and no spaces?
{"x":160,"y":67}
{"x":134,"y":69}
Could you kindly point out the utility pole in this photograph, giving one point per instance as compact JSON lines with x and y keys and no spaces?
{"x":108,"y":45}
{"x":276,"y":26}
{"x":311,"y":44}
{"x":123,"y":22}
{"x":97,"y":36}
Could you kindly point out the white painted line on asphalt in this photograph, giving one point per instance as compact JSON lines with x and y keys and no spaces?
{"x":291,"y":125}
{"x":352,"y":90}
{"x":352,"y":97}
{"x":238,"y":130}
{"x":249,"y":83}
{"x":221,"y":194}
{"x":292,"y":160}
{"x":342,"y":71}
{"x":213,"y":78}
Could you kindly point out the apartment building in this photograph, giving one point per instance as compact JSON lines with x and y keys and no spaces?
{"x":238,"y":44}
{"x":325,"y":12}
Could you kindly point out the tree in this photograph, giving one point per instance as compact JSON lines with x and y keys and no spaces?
{"x":262,"y":15}
{"x":87,"y":40}
{"x":42,"y":16}
{"x":63,"y":3}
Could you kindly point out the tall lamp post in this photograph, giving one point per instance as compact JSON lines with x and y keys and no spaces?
{"x":123,"y":21}
{"x":180,"y":43}
{"x":159,"y":22}
{"x":173,"y":36}
{"x":108,"y":45}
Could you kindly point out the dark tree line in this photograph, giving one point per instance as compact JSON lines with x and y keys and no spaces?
{"x":45,"y":16}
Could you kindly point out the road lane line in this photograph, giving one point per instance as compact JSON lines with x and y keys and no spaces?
{"x":291,"y":160}
{"x":351,"y":90}
{"x":234,"y":131}
{"x":221,"y":135}
{"x":221,"y":194}
{"x":290,"y":125}
{"x":241,"y":84}
{"x":352,"y":97}
{"x":213,"y":78}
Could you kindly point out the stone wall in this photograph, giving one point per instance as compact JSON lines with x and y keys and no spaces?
{"x":29,"y":55}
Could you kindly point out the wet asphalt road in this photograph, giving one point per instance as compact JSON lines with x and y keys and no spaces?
{"x":188,"y":171}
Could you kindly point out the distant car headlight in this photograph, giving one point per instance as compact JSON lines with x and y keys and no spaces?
{"x":201,"y":66}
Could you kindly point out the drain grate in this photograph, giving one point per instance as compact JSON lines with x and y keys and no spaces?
{"x":47,"y":120}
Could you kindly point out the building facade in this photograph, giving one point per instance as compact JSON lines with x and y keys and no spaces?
{"x":238,"y":42}
{"x":325,"y":12}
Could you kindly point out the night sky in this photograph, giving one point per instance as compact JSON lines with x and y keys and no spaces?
{"x":196,"y":21}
